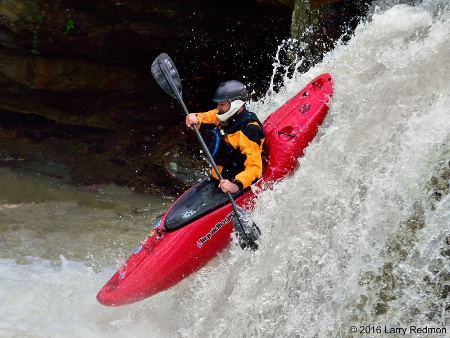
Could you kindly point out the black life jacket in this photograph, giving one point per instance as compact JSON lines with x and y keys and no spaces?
{"x":223,"y":153}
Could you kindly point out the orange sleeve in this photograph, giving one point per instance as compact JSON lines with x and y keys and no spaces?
{"x":209,"y":117}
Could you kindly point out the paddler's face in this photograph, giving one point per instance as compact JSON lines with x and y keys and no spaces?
{"x":223,"y":106}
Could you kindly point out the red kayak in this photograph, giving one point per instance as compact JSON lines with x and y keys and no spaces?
{"x":199,"y":224}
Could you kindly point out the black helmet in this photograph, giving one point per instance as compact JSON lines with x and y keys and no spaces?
{"x":230,"y":91}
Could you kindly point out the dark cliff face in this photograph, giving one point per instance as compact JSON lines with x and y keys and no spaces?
{"x":76,"y":83}
{"x":96,"y":55}
{"x":76,"y":87}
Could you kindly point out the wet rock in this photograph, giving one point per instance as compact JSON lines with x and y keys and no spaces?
{"x":179,"y":154}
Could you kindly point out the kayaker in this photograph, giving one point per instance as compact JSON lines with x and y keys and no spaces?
{"x":237,"y":137}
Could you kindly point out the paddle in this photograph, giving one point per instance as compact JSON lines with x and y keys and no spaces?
{"x":165,"y":73}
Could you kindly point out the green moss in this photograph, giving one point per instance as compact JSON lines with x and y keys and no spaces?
{"x":36,"y":30}
{"x":69,"y":24}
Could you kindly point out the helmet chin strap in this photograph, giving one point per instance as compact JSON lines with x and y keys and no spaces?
{"x":234,"y":107}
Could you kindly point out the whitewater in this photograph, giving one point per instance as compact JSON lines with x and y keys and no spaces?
{"x":358,"y":238}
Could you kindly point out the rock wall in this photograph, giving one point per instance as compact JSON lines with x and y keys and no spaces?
{"x":76,"y":87}
{"x":76,"y":83}
{"x":96,"y":55}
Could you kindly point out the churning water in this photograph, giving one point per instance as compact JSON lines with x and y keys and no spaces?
{"x":357,"y":239}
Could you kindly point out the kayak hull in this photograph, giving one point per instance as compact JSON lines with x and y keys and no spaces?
{"x":165,"y":257}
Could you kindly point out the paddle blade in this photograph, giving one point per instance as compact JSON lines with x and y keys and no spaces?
{"x":166,"y":74}
{"x":245,"y":229}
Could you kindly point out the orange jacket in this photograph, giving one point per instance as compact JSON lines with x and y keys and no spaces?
{"x":249,"y":139}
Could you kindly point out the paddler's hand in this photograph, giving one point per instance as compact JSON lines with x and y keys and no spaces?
{"x":191,"y":119}
{"x":228,"y":186}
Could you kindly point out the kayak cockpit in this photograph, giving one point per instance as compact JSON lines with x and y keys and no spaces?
{"x":201,"y":199}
